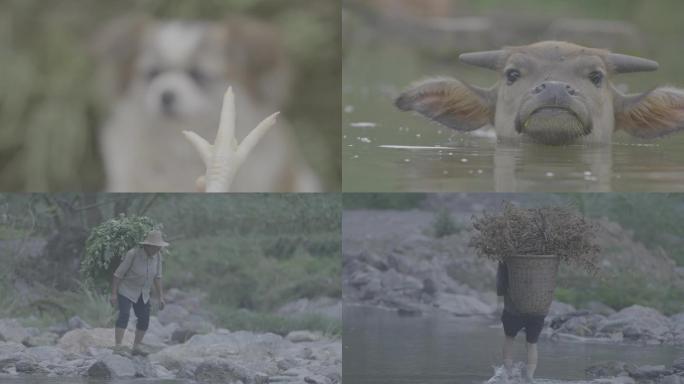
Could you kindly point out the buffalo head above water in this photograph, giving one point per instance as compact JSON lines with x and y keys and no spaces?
{"x":551,"y":92}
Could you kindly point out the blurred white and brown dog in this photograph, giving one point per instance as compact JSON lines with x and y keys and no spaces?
{"x":164,"y":77}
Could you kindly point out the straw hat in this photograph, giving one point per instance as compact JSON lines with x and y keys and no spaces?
{"x":155,"y":238}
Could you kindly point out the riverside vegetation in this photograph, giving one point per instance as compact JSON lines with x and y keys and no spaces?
{"x":252,"y":289}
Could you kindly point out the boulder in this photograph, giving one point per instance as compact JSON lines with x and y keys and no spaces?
{"x":678,"y":329}
{"x":638,"y":323}
{"x":217,"y":370}
{"x":649,"y":372}
{"x":256,"y":352}
{"x":44,"y":338}
{"x":608,"y":369}
{"x":47,"y":354}
{"x":599,"y":308}
{"x":671,"y":379}
{"x":583,"y":325}
{"x":112,"y":366}
{"x":303,"y":336}
{"x":29,"y":367}
{"x":463,"y":305}
{"x":172,"y":313}
{"x":404,"y":285}
{"x":558,"y":309}
{"x":77,"y":323}
{"x":678,"y":364}
{"x":12,"y":330}
{"x":81,"y":340}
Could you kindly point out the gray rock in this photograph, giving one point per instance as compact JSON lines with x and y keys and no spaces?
{"x":47,"y":354}
{"x":599,"y":308}
{"x":608,"y":369}
{"x":404,"y":285}
{"x":29,"y":367}
{"x":671,"y":379}
{"x":218,"y":370}
{"x":12,"y":330}
{"x":316,"y":379}
{"x":182,"y":335}
{"x":463,"y":305}
{"x":638,"y":323}
{"x":112,"y":366}
{"x":678,"y":328}
{"x":584,"y":325}
{"x":678,"y":364}
{"x":649,"y":372}
{"x":77,"y":323}
{"x":557,"y":308}
{"x":172,"y":313}
{"x":45,"y":338}
{"x":405,"y":309}
{"x":303,"y":336}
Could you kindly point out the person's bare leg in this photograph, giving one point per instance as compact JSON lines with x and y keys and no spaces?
{"x":138,"y":338}
{"x":531,"y":360}
{"x":118,"y":336}
{"x":507,"y":353}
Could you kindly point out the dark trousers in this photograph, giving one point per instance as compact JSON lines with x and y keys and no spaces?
{"x":142,"y":312}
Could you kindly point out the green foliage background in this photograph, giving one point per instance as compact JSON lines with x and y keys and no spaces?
{"x":248,"y":254}
{"x":49,"y":114}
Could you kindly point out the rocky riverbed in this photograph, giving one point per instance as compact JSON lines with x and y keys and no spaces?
{"x":184,"y":345}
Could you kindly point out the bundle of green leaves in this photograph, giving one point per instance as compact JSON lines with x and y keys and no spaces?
{"x":553,"y":230}
{"x":108,"y":243}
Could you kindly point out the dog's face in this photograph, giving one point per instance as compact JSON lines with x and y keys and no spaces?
{"x":177,"y":71}
{"x":181,"y":71}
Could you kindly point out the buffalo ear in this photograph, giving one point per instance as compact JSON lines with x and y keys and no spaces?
{"x":450,"y":102}
{"x":651,"y":114}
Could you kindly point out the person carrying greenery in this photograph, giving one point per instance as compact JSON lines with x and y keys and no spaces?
{"x":139,"y":272}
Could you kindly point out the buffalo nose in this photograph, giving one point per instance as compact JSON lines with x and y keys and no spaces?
{"x":555,"y":87}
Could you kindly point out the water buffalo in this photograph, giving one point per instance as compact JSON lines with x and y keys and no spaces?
{"x":551,"y":92}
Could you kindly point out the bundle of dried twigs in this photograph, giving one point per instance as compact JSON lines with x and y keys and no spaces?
{"x":554,"y":230}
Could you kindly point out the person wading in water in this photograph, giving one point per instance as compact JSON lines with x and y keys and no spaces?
{"x":138,"y":273}
{"x":513,"y":322}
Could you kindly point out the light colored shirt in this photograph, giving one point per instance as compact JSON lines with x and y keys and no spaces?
{"x":137,"y":272}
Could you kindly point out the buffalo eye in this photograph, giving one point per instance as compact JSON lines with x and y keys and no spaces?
{"x":596,"y":78}
{"x":512,"y":75}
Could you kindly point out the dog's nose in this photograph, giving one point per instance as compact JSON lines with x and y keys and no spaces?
{"x":168,"y":99}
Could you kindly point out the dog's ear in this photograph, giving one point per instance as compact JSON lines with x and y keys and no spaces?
{"x":257,"y":49}
{"x":115,"y":47}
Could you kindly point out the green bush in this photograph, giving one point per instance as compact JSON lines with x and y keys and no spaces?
{"x":624,"y":290}
{"x":444,"y":225}
{"x":107,"y":244}
{"x":280,"y":325}
{"x":282,"y":247}
{"x":399,"y":201}
{"x":236,"y":273}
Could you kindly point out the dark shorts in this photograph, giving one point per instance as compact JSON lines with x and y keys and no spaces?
{"x":141,"y":309}
{"x":533,"y":325}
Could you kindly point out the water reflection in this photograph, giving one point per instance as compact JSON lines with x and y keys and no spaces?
{"x":383,"y":348}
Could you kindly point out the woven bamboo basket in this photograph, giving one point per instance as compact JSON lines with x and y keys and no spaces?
{"x":531,"y":282}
